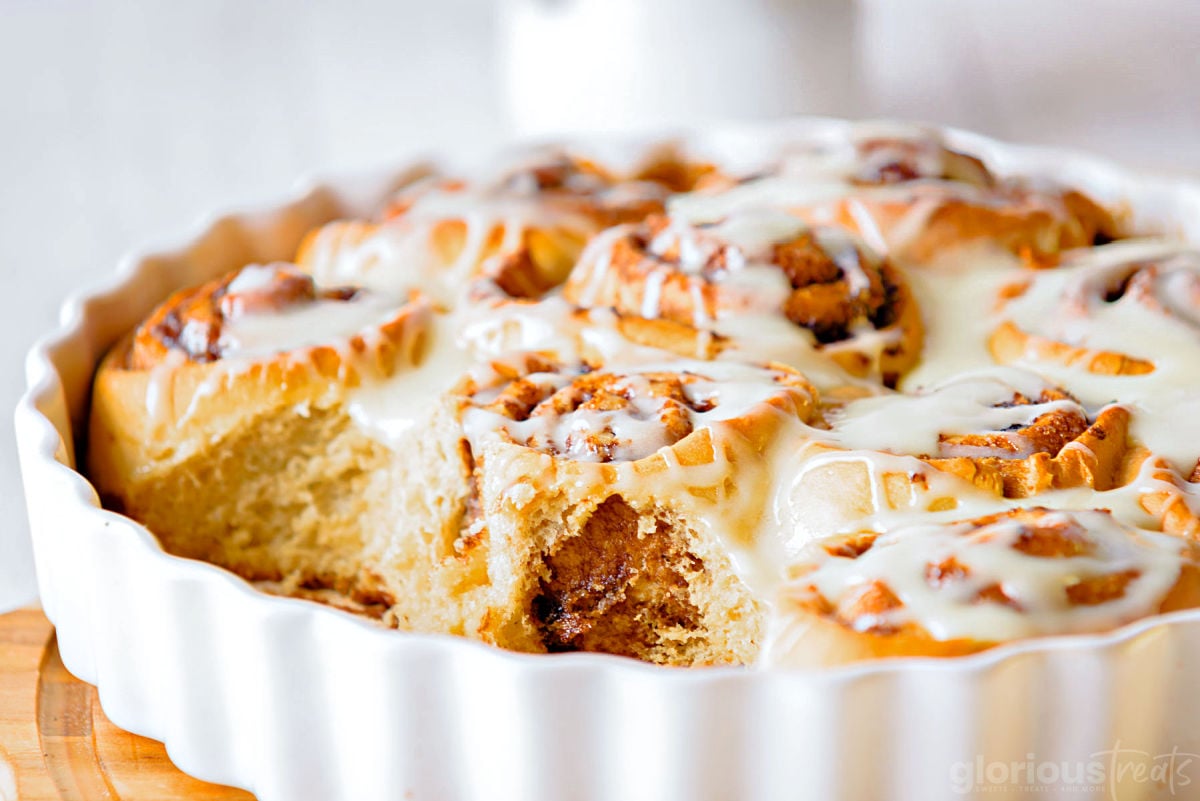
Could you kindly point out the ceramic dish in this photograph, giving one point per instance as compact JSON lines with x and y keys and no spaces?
{"x":293,"y":700}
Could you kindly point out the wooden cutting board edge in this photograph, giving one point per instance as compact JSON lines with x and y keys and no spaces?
{"x":56,"y":743}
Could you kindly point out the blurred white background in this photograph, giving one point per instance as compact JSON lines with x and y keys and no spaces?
{"x":123,"y":122}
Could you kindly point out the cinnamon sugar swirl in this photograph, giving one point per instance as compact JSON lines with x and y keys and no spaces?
{"x":851,"y":304}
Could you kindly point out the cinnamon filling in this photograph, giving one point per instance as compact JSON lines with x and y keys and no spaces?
{"x":1118,"y":288}
{"x":822,"y":298}
{"x":613,"y":588}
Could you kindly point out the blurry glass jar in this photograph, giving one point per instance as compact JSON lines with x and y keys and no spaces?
{"x":619,"y":65}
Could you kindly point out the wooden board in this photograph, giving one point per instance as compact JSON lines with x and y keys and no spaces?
{"x":57,"y":745}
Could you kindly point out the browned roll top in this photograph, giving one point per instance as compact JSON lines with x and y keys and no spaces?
{"x":1047,"y":433}
{"x":649,"y":397}
{"x":821,"y":298}
{"x":600,"y":415}
{"x":892,"y":160}
{"x":191,"y":320}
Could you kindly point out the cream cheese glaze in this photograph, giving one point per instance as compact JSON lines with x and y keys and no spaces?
{"x":973,"y":402}
{"x":941,"y":570}
{"x":709,"y":394}
{"x":252,"y":336}
{"x":958,"y":300}
{"x":1136,"y":299}
{"x":274,"y":312}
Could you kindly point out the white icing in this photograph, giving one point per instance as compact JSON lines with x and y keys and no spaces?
{"x":1155,"y":320}
{"x":1169,"y":424}
{"x":722,"y":390}
{"x":388,"y":409}
{"x":160,"y":395}
{"x":399,"y":254}
{"x":957,"y":299}
{"x":253,"y":278}
{"x":900,"y":559}
{"x":969,"y":403}
{"x":259,"y":335}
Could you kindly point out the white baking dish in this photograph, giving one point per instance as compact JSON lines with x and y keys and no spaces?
{"x":293,"y":700}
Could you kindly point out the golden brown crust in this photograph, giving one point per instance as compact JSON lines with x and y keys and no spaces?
{"x":1056,"y":448}
{"x":1047,"y":433}
{"x":1167,"y":496}
{"x":1009,"y":344}
{"x":1067,"y":453}
{"x":667,"y":335}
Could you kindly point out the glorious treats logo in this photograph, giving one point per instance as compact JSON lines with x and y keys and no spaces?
{"x":1103,"y":774}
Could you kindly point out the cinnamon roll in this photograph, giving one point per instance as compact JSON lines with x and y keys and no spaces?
{"x":1116,"y":311}
{"x":992,"y":434}
{"x":616,"y":500}
{"x":259,"y":311}
{"x":945,"y":589}
{"x":523,"y":228}
{"x":853,"y":306}
{"x":1006,"y":431}
{"x":223,"y":424}
{"x":1123,"y":322}
{"x":911,"y":196}
{"x":925,"y":200}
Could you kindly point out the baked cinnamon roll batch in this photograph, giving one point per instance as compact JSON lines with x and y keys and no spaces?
{"x":840,"y":401}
